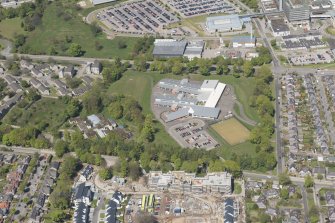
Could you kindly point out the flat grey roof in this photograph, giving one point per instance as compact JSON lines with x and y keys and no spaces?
{"x":224,"y":22}
{"x":173,"y":48}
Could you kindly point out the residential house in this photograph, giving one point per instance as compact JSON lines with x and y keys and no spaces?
{"x":4,"y":207}
{"x":319,"y":170}
{"x":291,"y":190}
{"x":253,"y":185}
{"x":41,"y":200}
{"x":330,"y":174}
{"x":305,"y":172}
{"x":35,"y":215}
{"x":261,"y":201}
{"x":36,"y":73}
{"x":9,"y":79}
{"x":330,"y":198}
{"x":46,"y":190}
{"x":230,"y":212}
{"x":26,"y":65}
{"x":94,"y":68}
{"x":331,"y":213}
{"x":53,"y":174}
{"x":54,"y":165}
{"x":87,"y":80}
{"x":86,"y":173}
{"x":271,"y":212}
{"x":81,"y":212}
{"x":271,"y":193}
{"x":15,"y":87}
{"x":69,"y":71}
{"x":83,"y":194}
{"x":43,"y":90}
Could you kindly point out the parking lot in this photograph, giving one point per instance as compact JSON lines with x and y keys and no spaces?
{"x":193,"y":135}
{"x":199,"y":7}
{"x":312,"y":58}
{"x":140,"y":17}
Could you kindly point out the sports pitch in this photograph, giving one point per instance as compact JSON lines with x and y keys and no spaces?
{"x":232,"y":131}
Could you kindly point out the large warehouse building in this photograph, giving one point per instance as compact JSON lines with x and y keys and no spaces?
{"x":166,"y":48}
{"x":189,"y":99}
{"x":224,"y":23}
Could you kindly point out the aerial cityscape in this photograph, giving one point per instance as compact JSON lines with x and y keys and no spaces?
{"x":167,"y":111}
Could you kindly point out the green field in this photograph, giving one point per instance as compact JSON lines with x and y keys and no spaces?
{"x":232,"y":131}
{"x":11,"y":27}
{"x":45,"y":111}
{"x":54,"y":30}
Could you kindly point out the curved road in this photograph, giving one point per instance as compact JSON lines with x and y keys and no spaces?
{"x":242,"y":116}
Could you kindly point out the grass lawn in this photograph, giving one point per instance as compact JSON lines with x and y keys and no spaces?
{"x":139,"y":85}
{"x":237,"y":188}
{"x":54,"y":30}
{"x":11,"y":27}
{"x":46,"y":110}
{"x":232,"y":131}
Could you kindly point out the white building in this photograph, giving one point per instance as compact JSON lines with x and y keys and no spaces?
{"x":244,"y":41}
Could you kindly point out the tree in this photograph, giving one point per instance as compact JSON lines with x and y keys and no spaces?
{"x":121,"y":44}
{"x":284,"y":194}
{"x":319,"y":176}
{"x":57,"y":216}
{"x":116,"y":110}
{"x":105,"y":173}
{"x":284,"y":179}
{"x":177,"y":68}
{"x":204,"y":67}
{"x":75,"y":50}
{"x":147,"y":133}
{"x":134,"y":170}
{"x":248,"y":69}
{"x":61,"y":147}
{"x":140,"y":64}
{"x":309,"y":182}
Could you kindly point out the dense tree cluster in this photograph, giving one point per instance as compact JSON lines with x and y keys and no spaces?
{"x":113,"y":71}
{"x":61,"y":195}
{"x":30,"y":12}
{"x":262,"y":100}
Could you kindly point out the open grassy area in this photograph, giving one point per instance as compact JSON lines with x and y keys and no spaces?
{"x":232,"y":131}
{"x":47,"y":111}
{"x":11,"y":27}
{"x":56,"y":32}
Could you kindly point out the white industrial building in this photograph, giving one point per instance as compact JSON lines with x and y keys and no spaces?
{"x":189,"y":99}
{"x":98,"y":2}
{"x":218,"y":182}
{"x":244,"y":41}
{"x":224,"y":23}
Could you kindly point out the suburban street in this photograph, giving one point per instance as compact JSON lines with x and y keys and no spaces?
{"x":326,"y":109}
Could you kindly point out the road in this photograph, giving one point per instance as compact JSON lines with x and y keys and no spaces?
{"x":305,"y":203}
{"x":280,"y":159}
